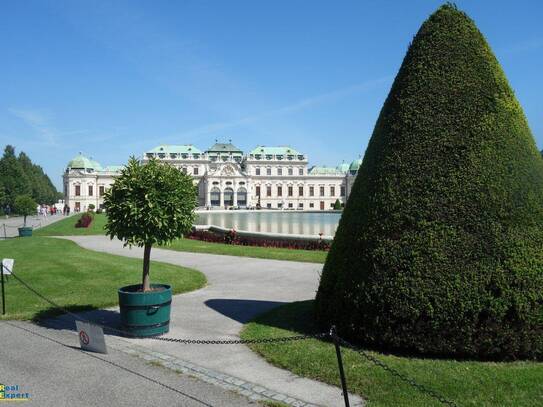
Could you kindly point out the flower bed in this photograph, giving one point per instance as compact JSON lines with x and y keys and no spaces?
{"x":85,"y":220}
{"x":232,"y":237}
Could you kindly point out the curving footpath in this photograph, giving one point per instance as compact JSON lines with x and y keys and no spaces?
{"x":238,"y":289}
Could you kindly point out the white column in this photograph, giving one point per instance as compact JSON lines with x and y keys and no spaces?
{"x":235,"y":198}
{"x":221,"y":203}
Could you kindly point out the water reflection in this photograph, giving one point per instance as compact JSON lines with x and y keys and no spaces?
{"x":303,"y":223}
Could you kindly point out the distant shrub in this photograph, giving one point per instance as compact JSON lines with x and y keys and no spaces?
{"x":85,"y":220}
{"x":232,"y":237}
{"x":91,"y":207}
{"x":99,"y":211}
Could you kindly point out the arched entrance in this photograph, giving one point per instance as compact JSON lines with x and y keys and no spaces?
{"x":228,"y":197}
{"x":215,"y":196}
{"x":242,"y":197}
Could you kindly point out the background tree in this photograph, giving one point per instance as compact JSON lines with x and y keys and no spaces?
{"x":439,"y":249}
{"x":337,"y":205}
{"x":25,"y":206}
{"x":150,"y":204}
{"x":20,"y":176}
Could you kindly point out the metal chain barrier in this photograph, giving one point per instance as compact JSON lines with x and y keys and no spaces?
{"x":325,"y":335}
{"x":420,"y":387}
{"x":176,"y":340}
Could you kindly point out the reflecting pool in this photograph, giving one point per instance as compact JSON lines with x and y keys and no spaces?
{"x":291,"y":222}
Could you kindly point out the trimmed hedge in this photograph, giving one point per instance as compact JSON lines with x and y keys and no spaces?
{"x":440,"y":246}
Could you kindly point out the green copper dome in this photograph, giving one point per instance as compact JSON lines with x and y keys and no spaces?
{"x":343,"y":167}
{"x":82,"y":162}
{"x":355,"y":165}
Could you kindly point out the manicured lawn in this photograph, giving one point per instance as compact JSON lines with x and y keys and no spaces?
{"x":198,"y":246}
{"x":468,"y":383}
{"x":66,"y":227}
{"x":78,"y":278}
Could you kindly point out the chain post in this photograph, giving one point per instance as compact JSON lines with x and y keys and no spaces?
{"x":3,"y":294}
{"x":5,"y":234}
{"x":335,"y":338}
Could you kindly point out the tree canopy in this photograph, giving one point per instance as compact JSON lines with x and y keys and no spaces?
{"x":19,"y":176}
{"x":439,"y":249}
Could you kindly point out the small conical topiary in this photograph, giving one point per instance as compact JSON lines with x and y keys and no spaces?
{"x":440,"y":246}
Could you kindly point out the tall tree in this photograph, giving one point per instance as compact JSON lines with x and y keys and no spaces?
{"x":13,"y":176}
{"x":439,"y":249}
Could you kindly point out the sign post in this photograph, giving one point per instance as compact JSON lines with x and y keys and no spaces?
{"x":3,"y":295}
{"x":5,"y":269}
{"x":91,"y":337}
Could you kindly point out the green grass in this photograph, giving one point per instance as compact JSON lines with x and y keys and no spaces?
{"x":77,"y":278}
{"x":198,"y":246}
{"x":66,"y":227}
{"x":468,"y":383}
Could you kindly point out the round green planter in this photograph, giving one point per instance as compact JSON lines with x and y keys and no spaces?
{"x":145,"y":314}
{"x":25,"y":231}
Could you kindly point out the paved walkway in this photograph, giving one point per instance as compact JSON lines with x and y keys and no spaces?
{"x":30,"y":357}
{"x":9,"y":227}
{"x":238,"y":289}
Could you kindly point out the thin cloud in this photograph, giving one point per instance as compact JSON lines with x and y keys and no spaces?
{"x":288,"y":109}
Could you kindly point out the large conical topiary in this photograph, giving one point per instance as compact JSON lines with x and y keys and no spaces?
{"x":440,"y":246}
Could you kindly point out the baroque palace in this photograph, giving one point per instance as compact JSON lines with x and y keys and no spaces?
{"x":267,"y":177}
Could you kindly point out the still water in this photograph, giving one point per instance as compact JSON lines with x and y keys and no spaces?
{"x":303,"y":223}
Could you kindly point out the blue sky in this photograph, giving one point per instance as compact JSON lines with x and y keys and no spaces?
{"x":113,"y":79}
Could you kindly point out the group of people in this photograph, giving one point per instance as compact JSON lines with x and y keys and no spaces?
{"x":45,"y":210}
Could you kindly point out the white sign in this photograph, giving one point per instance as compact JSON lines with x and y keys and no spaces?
{"x":7,"y":265}
{"x":91,"y":337}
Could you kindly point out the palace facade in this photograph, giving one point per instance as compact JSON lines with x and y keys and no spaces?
{"x":266,"y":177}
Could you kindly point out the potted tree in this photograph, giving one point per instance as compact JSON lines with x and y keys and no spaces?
{"x":148,"y":204}
{"x":25,"y":206}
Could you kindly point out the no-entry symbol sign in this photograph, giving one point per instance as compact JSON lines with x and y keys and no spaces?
{"x":91,"y":337}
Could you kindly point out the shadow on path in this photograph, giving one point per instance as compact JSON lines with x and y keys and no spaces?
{"x":85,"y":312}
{"x":241,"y":310}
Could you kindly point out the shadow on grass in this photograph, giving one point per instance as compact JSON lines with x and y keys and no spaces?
{"x":55,"y":318}
{"x":241,"y":310}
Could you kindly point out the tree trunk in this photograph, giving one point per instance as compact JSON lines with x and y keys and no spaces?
{"x":146,"y":285}
{"x":24,"y":221}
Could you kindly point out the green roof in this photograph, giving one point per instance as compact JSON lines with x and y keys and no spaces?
{"x":355,"y":165}
{"x":281,"y":150}
{"x":224,"y":148}
{"x":324,"y":171}
{"x":82,"y":162}
{"x":343,"y":167}
{"x":175,"y":149}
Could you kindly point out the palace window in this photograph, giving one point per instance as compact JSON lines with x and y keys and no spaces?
{"x":268,"y":205}
{"x":289,"y":191}
{"x":290,"y":171}
{"x":332,"y":191}
{"x":311,"y":191}
{"x":268,"y":171}
{"x":301,"y":205}
{"x":300,"y":191}
{"x":78,"y":190}
{"x":301,"y":171}
{"x":257,"y":171}
{"x":311,"y":205}
{"x":258,"y":191}
{"x":322,"y":191}
{"x":101,"y":190}
{"x":279,"y":191}
{"x":268,"y":191}
{"x":290,"y":205}
{"x":91,"y":190}
{"x":195,"y":170}
{"x":279,"y":171}
{"x":173,"y":155}
{"x":184,"y":170}
{"x":342,"y":190}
